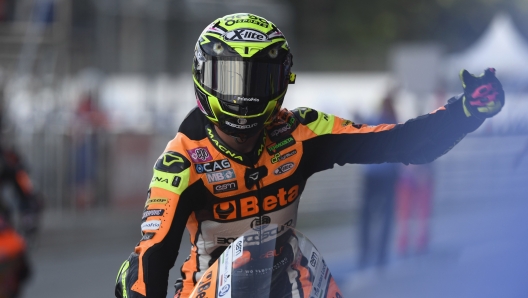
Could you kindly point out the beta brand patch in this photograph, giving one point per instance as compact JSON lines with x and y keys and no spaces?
{"x":200,"y":154}
{"x":151,"y":225}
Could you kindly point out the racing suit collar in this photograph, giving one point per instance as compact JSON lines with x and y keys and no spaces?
{"x":248,"y":159}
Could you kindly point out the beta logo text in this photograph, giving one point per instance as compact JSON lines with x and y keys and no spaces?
{"x":250,"y":206}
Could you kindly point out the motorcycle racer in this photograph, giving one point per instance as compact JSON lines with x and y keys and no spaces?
{"x":240,"y":161}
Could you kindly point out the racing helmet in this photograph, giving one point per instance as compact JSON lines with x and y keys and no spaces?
{"x":241,"y":71}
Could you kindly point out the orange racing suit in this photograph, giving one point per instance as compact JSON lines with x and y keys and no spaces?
{"x":217,"y":193}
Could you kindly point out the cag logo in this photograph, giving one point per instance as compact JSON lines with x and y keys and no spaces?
{"x":245,"y":35}
{"x":250,"y":206}
{"x":213,"y":166}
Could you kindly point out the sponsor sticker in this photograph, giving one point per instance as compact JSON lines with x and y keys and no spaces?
{"x":253,"y":99}
{"x":200,"y":154}
{"x":156,"y":201}
{"x":213,"y":166}
{"x":245,"y":35}
{"x":245,"y":18}
{"x":346,"y":122}
{"x":220,"y":176}
{"x":239,"y":126}
{"x":147,"y":236}
{"x":280,"y":130}
{"x":151,"y":225}
{"x":224,"y":290}
{"x":224,"y":240}
{"x":238,"y":248}
{"x":224,"y":187}
{"x":314,"y":258}
{"x":284,"y":168}
{"x":152,"y":212}
{"x":260,"y":222}
{"x":280,"y":157}
{"x":280,"y":145}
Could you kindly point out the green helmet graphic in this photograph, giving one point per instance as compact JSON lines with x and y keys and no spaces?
{"x":241,"y":71}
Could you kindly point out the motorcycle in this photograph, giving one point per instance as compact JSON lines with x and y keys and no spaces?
{"x":271,"y":261}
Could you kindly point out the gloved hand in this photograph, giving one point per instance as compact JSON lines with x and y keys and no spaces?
{"x":483,"y":95}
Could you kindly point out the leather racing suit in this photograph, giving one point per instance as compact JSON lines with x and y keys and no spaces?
{"x":217,"y":193}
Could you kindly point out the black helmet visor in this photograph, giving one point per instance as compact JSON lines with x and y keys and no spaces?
{"x":244,"y":82}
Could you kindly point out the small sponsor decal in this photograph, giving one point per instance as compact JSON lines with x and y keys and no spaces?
{"x":224,"y":187}
{"x":280,"y":145}
{"x":213,"y":166}
{"x":220,"y":176}
{"x":238,"y":248}
{"x":346,"y":122}
{"x":157,"y":201}
{"x":245,"y":35}
{"x":151,"y":225}
{"x":245,"y":18}
{"x":284,"y":168}
{"x":247,"y":99}
{"x":200,"y":154}
{"x":224,"y":240}
{"x":280,"y":130}
{"x":152,"y":212}
{"x":224,"y":290}
{"x":280,"y":157}
{"x":260,"y":222}
{"x":313,"y":259}
{"x":147,"y":236}
{"x":238,"y":126}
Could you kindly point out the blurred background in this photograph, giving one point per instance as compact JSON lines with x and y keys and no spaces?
{"x":92,"y":90}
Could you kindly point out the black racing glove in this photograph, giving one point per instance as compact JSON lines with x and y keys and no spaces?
{"x":125,"y":278}
{"x":483,"y":95}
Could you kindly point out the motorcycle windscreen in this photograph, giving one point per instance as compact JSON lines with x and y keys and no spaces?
{"x":263,"y":267}
{"x":244,"y":81}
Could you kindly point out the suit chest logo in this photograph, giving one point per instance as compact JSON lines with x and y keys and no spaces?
{"x":200,"y":154}
{"x":220,"y":176}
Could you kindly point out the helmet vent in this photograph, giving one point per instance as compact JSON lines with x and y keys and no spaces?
{"x":273,"y":53}
{"x":218,"y":48}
